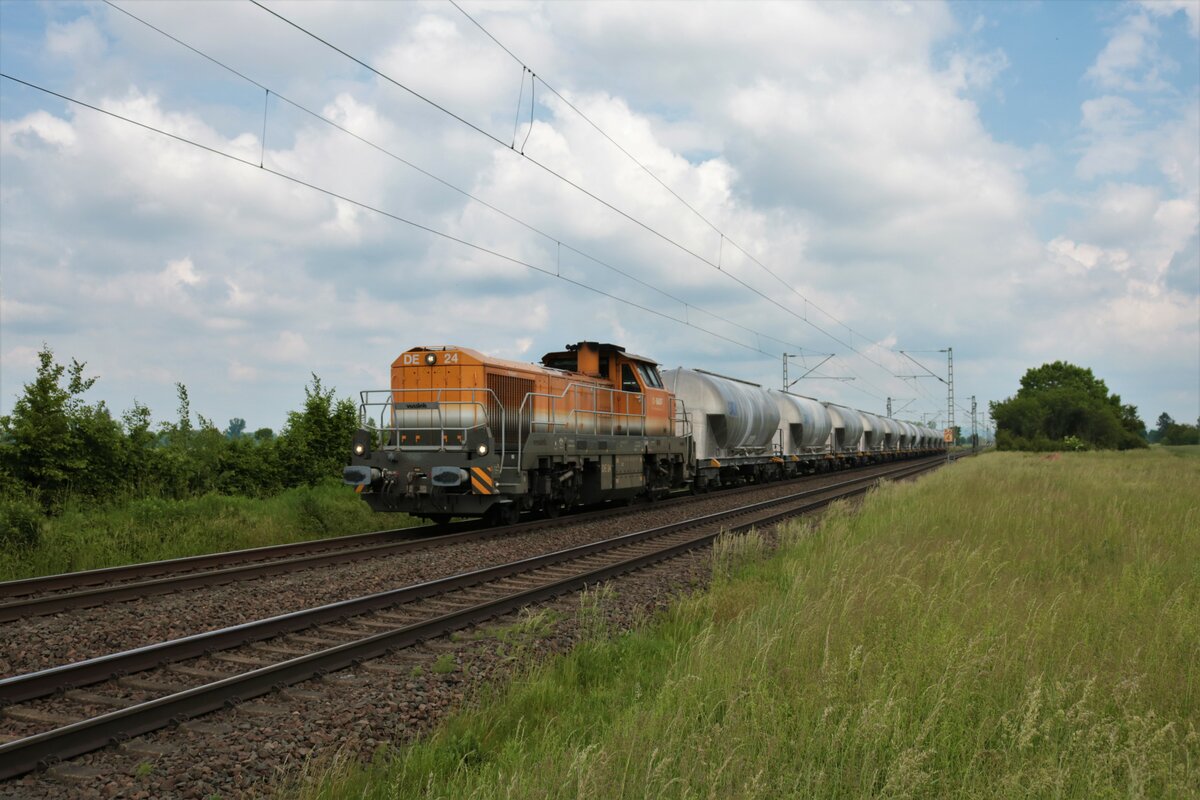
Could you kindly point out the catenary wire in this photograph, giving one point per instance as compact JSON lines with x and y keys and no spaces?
{"x":676,"y":195}
{"x":376,"y":210}
{"x":455,"y":188}
{"x":568,"y":181}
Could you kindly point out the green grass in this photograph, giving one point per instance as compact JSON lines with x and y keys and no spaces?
{"x":149,"y":530}
{"x":1184,"y":450}
{"x":1015,"y":626}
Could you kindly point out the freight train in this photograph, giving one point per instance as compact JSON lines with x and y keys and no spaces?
{"x":462,"y":434}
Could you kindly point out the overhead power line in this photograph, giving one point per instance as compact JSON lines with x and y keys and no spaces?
{"x":724,"y":236}
{"x":684,"y":248}
{"x":381,"y":212}
{"x":432,"y":176}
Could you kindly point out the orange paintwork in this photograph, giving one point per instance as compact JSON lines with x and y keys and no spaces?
{"x":568,"y":397}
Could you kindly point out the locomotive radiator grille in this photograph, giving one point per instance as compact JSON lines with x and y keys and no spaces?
{"x":504,"y":403}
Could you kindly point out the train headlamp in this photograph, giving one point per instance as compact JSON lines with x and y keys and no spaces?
{"x":359,"y":448}
{"x":430,"y":359}
{"x":482,"y":449}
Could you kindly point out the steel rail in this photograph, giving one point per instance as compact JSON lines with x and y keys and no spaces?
{"x":91,"y":577}
{"x":32,"y":685}
{"x":321,"y":552}
{"x":73,"y":580}
{"x":24,"y":755}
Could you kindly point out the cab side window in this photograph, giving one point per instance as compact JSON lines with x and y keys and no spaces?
{"x":650,"y":376}
{"x":628,"y":381}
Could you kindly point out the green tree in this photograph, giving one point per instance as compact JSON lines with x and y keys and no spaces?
{"x":1169,"y":432}
{"x":40,"y":448}
{"x":1161,"y":427}
{"x":143,"y":457}
{"x":1062,"y":401}
{"x":237,"y":426}
{"x":54,"y":447}
{"x":315,"y":443}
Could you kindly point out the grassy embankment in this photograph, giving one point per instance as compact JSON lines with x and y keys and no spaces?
{"x":1016,"y":625}
{"x":149,"y":530}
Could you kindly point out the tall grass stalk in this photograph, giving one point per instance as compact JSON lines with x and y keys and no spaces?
{"x":1012,"y":626}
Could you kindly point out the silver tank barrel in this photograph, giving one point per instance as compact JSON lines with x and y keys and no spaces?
{"x":803,"y":422}
{"x":874,"y":431}
{"x":847,"y":428}
{"x":729,"y":417}
{"x":891,"y":434}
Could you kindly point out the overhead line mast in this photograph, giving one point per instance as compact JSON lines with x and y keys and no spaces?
{"x":948,"y":380}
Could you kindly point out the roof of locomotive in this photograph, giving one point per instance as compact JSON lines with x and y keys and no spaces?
{"x":483,"y":358}
{"x":524,"y":366}
{"x":603,"y":347}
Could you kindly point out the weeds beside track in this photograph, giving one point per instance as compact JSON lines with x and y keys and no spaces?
{"x":1017,"y":626}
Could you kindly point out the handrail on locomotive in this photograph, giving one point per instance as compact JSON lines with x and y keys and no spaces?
{"x":389,"y":435}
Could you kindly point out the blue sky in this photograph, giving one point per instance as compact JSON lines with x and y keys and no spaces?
{"x":1020,"y":181}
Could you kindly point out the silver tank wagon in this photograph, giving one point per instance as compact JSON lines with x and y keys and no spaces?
{"x":734,"y":426}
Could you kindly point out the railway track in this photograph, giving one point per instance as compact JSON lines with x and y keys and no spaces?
{"x":148,"y":687}
{"x":58,"y":593}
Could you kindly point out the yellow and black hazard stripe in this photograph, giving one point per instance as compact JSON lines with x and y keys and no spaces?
{"x":481,"y":481}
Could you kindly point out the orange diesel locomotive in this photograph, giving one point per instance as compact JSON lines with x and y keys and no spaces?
{"x":463,"y":434}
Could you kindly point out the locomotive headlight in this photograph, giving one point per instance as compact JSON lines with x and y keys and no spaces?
{"x":482,"y":449}
{"x":430,"y":359}
{"x":360,"y":445}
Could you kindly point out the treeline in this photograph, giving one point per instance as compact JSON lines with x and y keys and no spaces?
{"x":1061,"y":406}
{"x":1170,"y":432}
{"x":56,"y":449}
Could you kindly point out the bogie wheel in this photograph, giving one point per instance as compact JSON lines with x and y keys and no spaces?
{"x":440,"y":520}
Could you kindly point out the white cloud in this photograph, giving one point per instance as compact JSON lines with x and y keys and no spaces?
{"x":1178,"y":155}
{"x":1167,"y":8}
{"x":15,"y":311}
{"x":289,"y":346}
{"x":35,"y":130}
{"x":1132,"y":61}
{"x":78,"y":40}
{"x":975,"y":70}
{"x":241,"y":372}
{"x":21,"y":356}
{"x":1075,"y":257}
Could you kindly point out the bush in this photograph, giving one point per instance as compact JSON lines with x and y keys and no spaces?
{"x":65,"y":452}
{"x":21,"y":522}
{"x":1064,"y":407}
